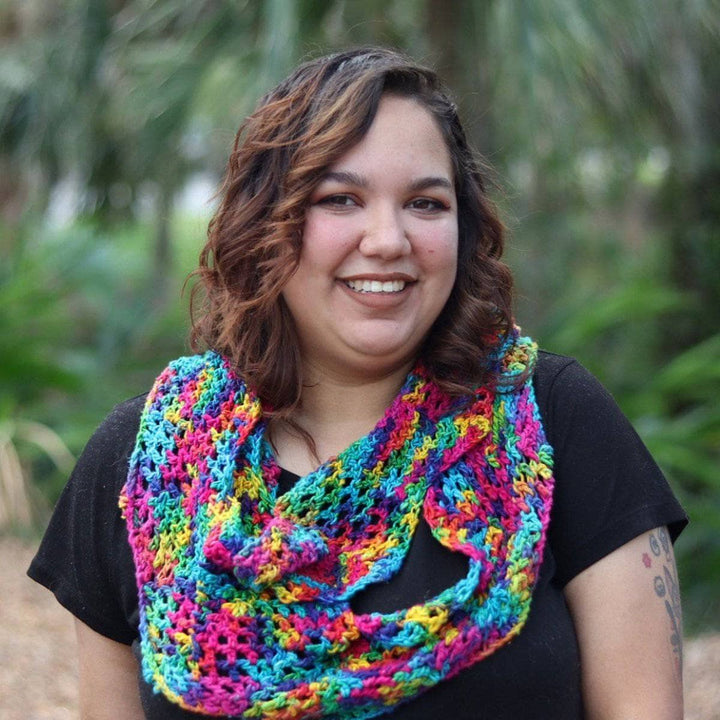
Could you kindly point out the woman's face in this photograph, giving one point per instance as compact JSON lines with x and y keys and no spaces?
{"x":380,"y":244}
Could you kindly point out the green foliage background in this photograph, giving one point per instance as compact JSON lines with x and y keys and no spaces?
{"x":601,"y":120}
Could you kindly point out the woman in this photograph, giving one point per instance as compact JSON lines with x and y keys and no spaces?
{"x":372,"y":495}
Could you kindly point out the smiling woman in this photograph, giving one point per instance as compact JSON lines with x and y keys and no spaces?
{"x":379,"y":252}
{"x":370,"y":494}
{"x":297,"y":159}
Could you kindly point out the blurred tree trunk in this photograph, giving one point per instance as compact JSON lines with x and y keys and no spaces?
{"x":162,"y":261}
{"x":457,"y":37}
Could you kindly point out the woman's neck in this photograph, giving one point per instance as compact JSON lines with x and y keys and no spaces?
{"x":335,"y":411}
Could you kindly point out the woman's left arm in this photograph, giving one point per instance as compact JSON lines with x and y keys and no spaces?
{"x":626,"y":609}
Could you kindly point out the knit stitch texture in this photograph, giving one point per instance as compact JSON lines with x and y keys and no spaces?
{"x":244,"y":593}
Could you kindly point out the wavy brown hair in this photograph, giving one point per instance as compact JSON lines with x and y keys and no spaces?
{"x":298,"y":130}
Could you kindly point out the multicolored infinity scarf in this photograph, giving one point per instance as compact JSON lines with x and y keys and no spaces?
{"x":245,"y":593}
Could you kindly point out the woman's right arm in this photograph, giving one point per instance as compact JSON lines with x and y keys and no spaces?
{"x":108,"y":677}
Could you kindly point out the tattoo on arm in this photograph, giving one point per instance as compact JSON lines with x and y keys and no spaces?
{"x":667,"y":587}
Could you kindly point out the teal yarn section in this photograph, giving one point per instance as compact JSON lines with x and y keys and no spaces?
{"x":244,"y":593}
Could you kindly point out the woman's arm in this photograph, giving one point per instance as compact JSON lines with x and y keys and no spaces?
{"x":108,"y":678}
{"x":626,"y":609}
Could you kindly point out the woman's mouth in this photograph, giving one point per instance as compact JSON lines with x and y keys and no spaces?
{"x":376,"y":286}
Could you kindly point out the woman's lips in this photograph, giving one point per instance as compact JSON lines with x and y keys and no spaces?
{"x":376,"y":286}
{"x":378,"y":292}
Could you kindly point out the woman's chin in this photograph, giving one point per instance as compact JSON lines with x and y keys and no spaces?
{"x":378,"y":356}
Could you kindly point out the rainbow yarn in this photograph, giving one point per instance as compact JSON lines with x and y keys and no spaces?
{"x":244,"y":594}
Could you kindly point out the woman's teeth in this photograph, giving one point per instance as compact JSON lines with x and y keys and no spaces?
{"x":375,"y":286}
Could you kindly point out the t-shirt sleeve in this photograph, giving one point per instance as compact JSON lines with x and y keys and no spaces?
{"x":608,"y":488}
{"x":84,"y":557}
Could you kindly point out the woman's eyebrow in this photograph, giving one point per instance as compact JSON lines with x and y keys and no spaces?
{"x":345,"y":177}
{"x":350,"y":178}
{"x":431,"y":182}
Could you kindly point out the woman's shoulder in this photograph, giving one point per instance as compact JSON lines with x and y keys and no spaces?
{"x":126,"y":412}
{"x":608,"y":488}
{"x":102,"y":465}
{"x":119,"y":428}
{"x":562,"y":381}
{"x":575,"y":406}
{"x":552,"y":366}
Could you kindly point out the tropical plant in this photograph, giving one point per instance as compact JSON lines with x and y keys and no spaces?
{"x":21,"y":506}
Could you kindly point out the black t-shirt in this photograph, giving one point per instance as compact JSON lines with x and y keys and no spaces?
{"x":608,"y":490}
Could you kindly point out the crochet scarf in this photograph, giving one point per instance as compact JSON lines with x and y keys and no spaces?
{"x":245,"y":593}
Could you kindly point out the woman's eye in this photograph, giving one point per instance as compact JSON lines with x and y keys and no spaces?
{"x":337,"y":201}
{"x":427,"y":204}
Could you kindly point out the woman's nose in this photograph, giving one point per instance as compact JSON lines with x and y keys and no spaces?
{"x":384,"y":234}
